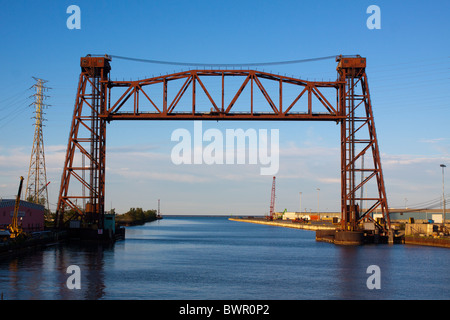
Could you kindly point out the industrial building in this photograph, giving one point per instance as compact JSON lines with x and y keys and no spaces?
{"x":286,"y":215}
{"x":30,"y":215}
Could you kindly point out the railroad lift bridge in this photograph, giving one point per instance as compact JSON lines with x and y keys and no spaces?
{"x":99,"y":100}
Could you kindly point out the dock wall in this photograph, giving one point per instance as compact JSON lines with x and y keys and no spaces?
{"x":286,"y":224}
{"x":427,"y":241}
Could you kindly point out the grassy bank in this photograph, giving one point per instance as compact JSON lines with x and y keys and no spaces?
{"x":136,"y":216}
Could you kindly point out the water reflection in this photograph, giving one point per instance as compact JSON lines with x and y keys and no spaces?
{"x":42,"y":274}
{"x":353,"y":262}
{"x":212,"y":258}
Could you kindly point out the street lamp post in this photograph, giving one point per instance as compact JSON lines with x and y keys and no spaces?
{"x":318,"y":202}
{"x":443,"y":198}
{"x":300,"y":202}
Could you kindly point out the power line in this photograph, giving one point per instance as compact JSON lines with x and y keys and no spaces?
{"x":7,"y":100}
{"x":430,"y":204}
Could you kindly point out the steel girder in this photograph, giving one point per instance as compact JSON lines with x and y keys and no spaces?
{"x":135,"y":102}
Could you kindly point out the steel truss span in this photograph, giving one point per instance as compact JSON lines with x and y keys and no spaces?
{"x":223,"y":95}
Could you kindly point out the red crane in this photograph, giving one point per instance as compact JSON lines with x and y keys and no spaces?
{"x":272,"y":200}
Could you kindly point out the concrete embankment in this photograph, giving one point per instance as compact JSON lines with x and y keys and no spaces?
{"x":328,"y":233}
{"x":325,"y":232}
{"x":286,"y":224}
{"x":427,"y":241}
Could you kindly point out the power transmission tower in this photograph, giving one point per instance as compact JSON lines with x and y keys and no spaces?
{"x":36,"y":190}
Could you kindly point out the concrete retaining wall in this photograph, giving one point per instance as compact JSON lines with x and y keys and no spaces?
{"x":427,"y":241}
{"x":286,"y":224}
{"x":418,"y":228}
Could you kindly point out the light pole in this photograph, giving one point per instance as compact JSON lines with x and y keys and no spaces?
{"x":318,"y":193}
{"x":300,"y":202}
{"x":443,"y":198}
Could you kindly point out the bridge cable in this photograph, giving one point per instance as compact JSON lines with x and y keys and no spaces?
{"x":193,"y":64}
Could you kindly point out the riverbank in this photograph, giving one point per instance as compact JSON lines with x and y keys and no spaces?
{"x":132,"y":220}
{"x":130,"y":223}
{"x":35,"y":241}
{"x":321,"y":229}
{"x":288,"y":223}
{"x":427,"y":241}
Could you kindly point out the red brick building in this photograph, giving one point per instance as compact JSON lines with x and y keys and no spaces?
{"x":31,"y":215}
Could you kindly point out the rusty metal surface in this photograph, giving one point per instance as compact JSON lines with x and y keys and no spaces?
{"x":90,"y":144}
{"x":98,"y":103}
{"x":195,"y":80}
{"x":358,"y":138}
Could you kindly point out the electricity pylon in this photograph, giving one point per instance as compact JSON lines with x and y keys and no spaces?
{"x":36,"y":190}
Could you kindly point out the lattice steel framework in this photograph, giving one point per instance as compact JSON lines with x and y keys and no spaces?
{"x":272,"y":199}
{"x":133,"y":100}
{"x":36,"y":190}
{"x":358,"y":139}
{"x":87,"y":140}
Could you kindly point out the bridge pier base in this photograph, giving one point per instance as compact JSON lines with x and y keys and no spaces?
{"x":349,"y":237}
{"x":360,"y":237}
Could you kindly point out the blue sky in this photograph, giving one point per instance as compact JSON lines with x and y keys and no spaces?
{"x":408,"y":66}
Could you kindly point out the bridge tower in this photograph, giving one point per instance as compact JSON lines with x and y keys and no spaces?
{"x":87,"y":140}
{"x":362,"y":184}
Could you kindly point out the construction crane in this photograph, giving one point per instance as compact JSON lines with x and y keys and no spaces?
{"x":43,"y":188}
{"x":14,"y":227}
{"x":272,"y":201}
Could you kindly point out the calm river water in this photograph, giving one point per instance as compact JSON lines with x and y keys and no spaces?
{"x":200,"y":258}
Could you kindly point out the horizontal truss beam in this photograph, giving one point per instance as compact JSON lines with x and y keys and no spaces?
{"x":195,"y":80}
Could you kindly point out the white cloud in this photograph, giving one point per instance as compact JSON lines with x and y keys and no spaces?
{"x":435,"y":140}
{"x":330,"y":180}
{"x":406,"y":160}
{"x":159,"y":175}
